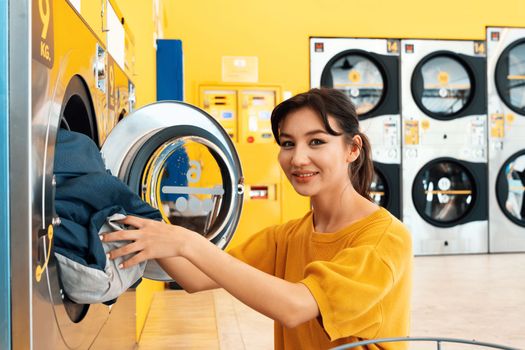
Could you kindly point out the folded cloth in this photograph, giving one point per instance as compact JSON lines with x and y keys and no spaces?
{"x":86,"y":195}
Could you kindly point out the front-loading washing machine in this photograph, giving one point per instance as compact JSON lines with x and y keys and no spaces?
{"x":62,"y":76}
{"x":506,"y":110}
{"x":367,"y":70}
{"x":443,"y":112}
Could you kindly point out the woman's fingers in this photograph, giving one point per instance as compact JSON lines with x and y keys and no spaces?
{"x":125,"y":250}
{"x":133,"y":221}
{"x":136,"y":259}
{"x":122,"y":235}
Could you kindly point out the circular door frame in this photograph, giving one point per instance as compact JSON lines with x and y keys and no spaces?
{"x":478,"y":175}
{"x":133,"y":174}
{"x":501,"y":188}
{"x":143,"y":141}
{"x":499,"y":77}
{"x":475,"y":68}
{"x":388,"y":67}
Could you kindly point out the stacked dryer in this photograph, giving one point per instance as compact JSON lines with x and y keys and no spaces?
{"x":367,"y":70}
{"x":443,"y":86}
{"x":506,"y":110}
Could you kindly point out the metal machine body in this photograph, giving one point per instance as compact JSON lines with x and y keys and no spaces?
{"x":444,"y":146}
{"x":62,"y":75}
{"x":367,"y":70}
{"x":506,"y":111}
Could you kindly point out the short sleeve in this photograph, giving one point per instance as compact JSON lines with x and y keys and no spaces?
{"x":348,"y":291}
{"x":258,"y":251}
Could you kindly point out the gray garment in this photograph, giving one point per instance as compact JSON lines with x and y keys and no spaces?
{"x":86,"y":285}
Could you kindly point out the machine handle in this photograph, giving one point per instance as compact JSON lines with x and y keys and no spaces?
{"x":41,"y":268}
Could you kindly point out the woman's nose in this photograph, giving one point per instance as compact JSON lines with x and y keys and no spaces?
{"x":300,"y":157}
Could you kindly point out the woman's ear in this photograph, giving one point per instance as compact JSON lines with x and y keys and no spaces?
{"x":354,"y":149}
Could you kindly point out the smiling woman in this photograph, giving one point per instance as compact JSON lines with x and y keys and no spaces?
{"x":341,"y":273}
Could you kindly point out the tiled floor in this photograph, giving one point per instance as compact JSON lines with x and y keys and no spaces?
{"x":479,"y":297}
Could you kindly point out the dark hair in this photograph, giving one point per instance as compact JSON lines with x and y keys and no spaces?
{"x":331,"y":102}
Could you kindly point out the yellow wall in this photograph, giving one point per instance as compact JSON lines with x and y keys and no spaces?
{"x":277,"y":31}
{"x":139,"y":17}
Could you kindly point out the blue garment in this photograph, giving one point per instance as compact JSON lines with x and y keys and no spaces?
{"x":86,"y":195}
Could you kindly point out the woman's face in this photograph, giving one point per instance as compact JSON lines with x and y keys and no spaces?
{"x":314,"y":161}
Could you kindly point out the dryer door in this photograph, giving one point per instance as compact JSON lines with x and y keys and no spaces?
{"x":447,"y":192}
{"x":385,"y":187}
{"x":182,"y":162}
{"x":510,"y":188}
{"x":369,"y":79}
{"x":510,"y":76}
{"x":442,"y":85}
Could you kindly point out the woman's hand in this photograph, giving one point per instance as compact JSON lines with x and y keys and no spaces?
{"x":150,"y":240}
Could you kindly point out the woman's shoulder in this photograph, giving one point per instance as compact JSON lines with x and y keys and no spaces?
{"x":382,"y":224}
{"x":295,"y":225}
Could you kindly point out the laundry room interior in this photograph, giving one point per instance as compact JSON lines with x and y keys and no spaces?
{"x":169,"y":111}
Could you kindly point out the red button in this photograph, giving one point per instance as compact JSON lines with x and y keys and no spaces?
{"x":250,"y":139}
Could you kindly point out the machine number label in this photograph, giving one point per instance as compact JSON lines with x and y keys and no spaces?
{"x":479,"y":48}
{"x":43,"y":42}
{"x":392,"y":46}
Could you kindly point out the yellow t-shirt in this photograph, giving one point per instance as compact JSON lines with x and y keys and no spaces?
{"x":360,"y":277}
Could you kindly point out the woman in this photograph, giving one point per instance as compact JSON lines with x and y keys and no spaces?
{"x":339,"y":274}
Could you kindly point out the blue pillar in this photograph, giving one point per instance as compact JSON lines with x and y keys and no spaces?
{"x":5,"y":300}
{"x":169,"y":70}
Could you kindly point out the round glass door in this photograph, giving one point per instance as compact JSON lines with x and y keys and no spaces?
{"x":181,"y":161}
{"x":510,"y":77}
{"x":510,"y":188}
{"x":444,"y":192}
{"x":184,"y":180}
{"x":379,"y":189}
{"x":442,"y":86}
{"x":358,"y":77}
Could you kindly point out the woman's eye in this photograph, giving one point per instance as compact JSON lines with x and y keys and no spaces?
{"x":316,"y":142}
{"x":286,"y":144}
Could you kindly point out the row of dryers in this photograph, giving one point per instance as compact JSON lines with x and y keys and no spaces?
{"x":444,"y":119}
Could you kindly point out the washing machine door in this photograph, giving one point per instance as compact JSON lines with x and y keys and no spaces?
{"x":385,"y":187}
{"x":510,"y":188}
{"x":442,"y":85}
{"x":445,"y":192}
{"x":182,"y":162}
{"x":366,"y":78}
{"x":379,"y":189}
{"x":510,"y":76}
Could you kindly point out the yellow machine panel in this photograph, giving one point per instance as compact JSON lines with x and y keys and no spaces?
{"x":221,"y":105}
{"x":262,"y":191}
{"x":255,"y":109}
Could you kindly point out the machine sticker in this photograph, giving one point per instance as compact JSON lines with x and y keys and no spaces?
{"x":443,"y":78}
{"x":409,"y":48}
{"x":497,"y":126}
{"x":43,"y":43}
{"x":510,"y":118}
{"x":319,"y":47}
{"x":112,"y":96}
{"x":425,"y":124}
{"x":392,"y":46}
{"x":411,"y":132}
{"x":494,"y":36}
{"x":354,"y":76}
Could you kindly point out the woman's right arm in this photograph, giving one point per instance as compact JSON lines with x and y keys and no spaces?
{"x":187,"y":275}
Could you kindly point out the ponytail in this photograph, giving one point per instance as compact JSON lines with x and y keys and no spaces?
{"x":361,"y":171}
